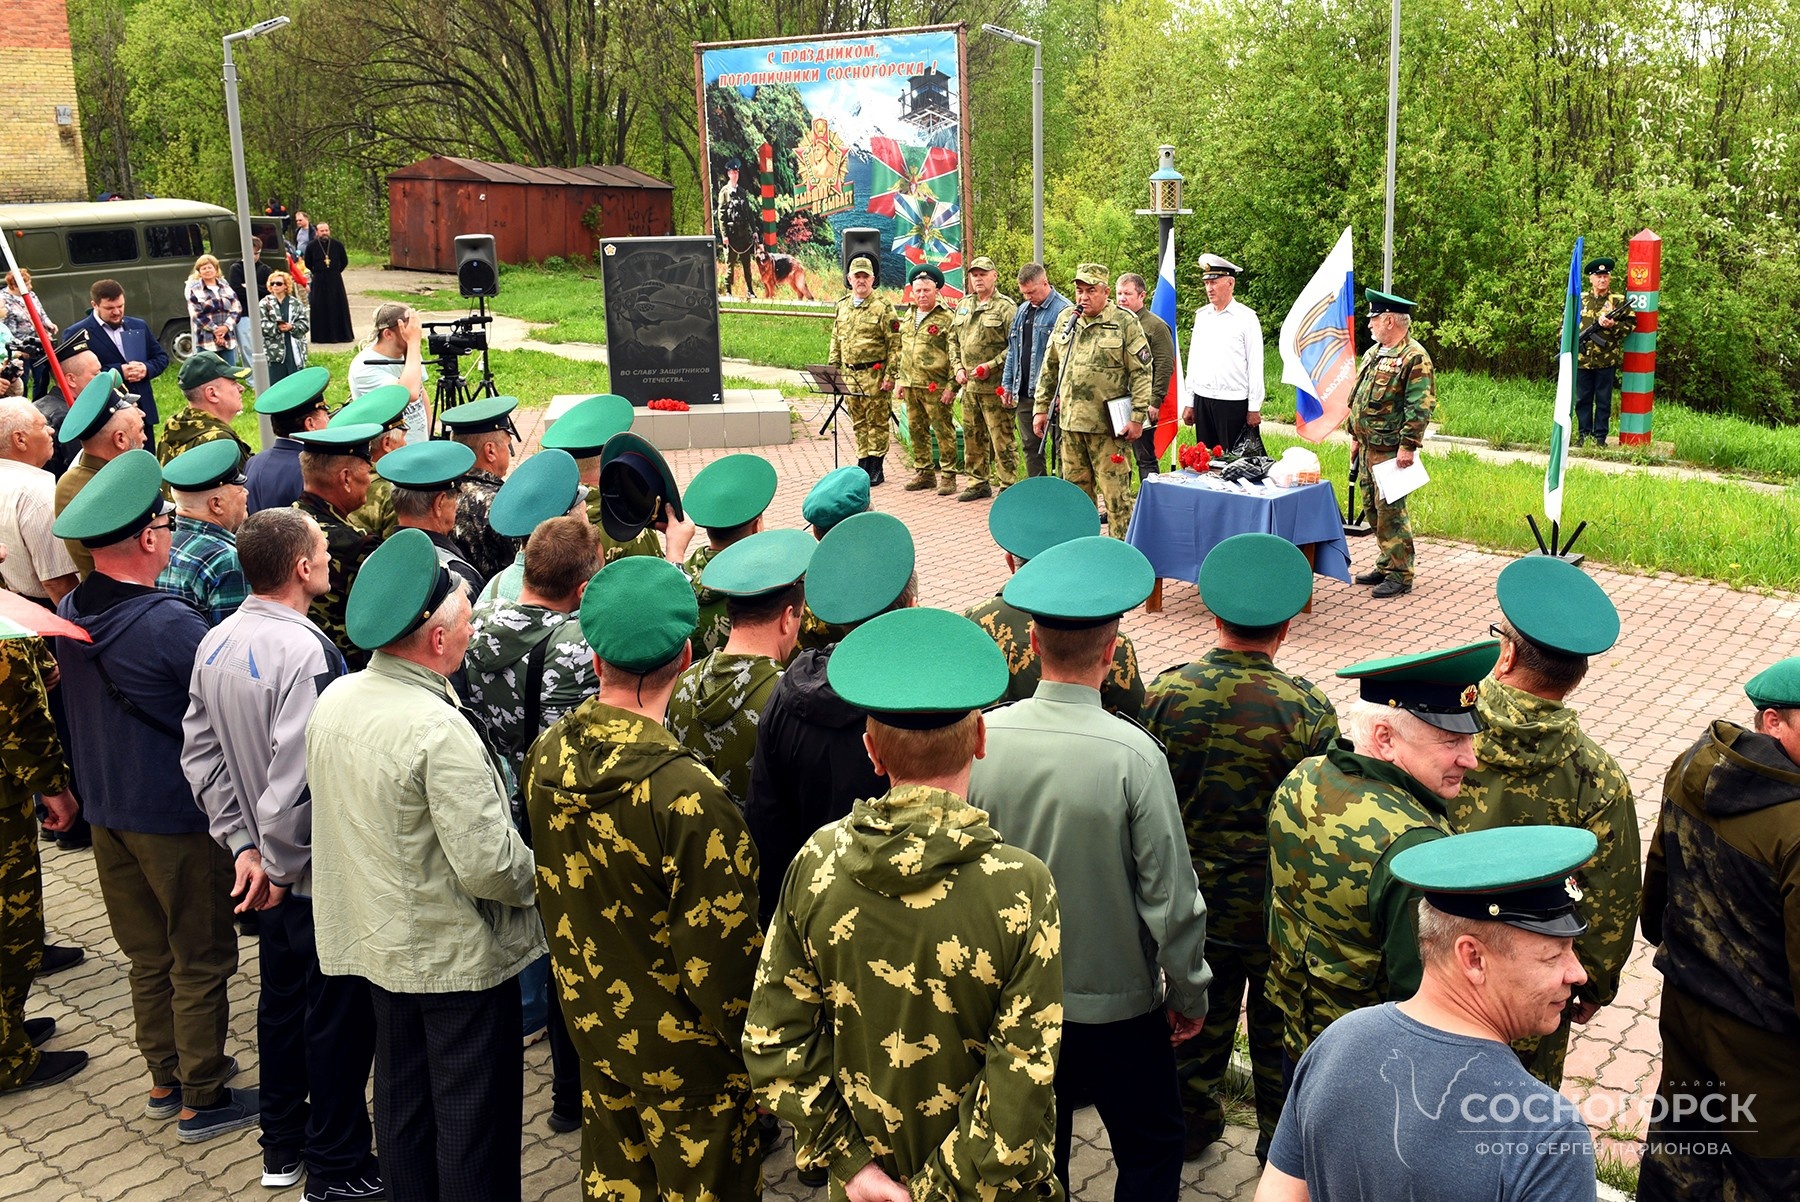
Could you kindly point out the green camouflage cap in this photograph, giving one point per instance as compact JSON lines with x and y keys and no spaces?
{"x":350,"y":439}
{"x":1030,"y":517}
{"x":762,"y":563}
{"x":1082,"y":582}
{"x":1386,"y":302}
{"x":1519,"y":875}
{"x":384,"y":406}
{"x":633,"y":478}
{"x":1092,"y":273}
{"x":981,"y":263}
{"x":300,"y":391}
{"x":1438,"y":687}
{"x":584,"y":428}
{"x":481,"y":417}
{"x":730,"y":491}
{"x":104,"y":396}
{"x":861,"y":567}
{"x":861,"y":263}
{"x":398,"y":587}
{"x":121,"y":499}
{"x":638,"y":613}
{"x":838,"y":495}
{"x":1255,"y":580}
{"x":1775,"y":687}
{"x":203,"y":367}
{"x":1556,"y":605}
{"x":426,"y":466}
{"x":205,"y":467}
{"x":876,"y":668}
{"x":544,"y":486}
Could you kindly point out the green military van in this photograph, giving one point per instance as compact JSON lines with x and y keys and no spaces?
{"x":149,"y":246}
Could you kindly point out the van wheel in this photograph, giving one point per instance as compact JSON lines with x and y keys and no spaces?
{"x":178,"y":340}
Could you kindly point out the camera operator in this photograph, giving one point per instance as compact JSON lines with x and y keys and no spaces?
{"x":395,"y":357}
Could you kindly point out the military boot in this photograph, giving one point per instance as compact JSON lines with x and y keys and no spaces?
{"x":975,"y":491}
{"x":879,"y":475}
{"x":1368,"y":578}
{"x":922,"y":479}
{"x":1393,"y":586}
{"x":946,"y":484}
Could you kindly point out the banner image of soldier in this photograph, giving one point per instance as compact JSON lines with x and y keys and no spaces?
{"x":735,"y":221}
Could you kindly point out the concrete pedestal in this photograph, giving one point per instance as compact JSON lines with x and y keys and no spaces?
{"x":747,"y":418}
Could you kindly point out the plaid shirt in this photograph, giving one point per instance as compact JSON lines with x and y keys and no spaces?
{"x":203,"y":567}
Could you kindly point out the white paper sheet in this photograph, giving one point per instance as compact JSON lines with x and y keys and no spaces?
{"x":1394,"y":481}
{"x":1119,"y":410}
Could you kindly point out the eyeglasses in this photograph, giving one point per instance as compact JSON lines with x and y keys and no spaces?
{"x":167,"y":523}
{"x":1498,"y":633}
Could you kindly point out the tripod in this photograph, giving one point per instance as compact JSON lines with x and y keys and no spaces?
{"x":453,"y":388}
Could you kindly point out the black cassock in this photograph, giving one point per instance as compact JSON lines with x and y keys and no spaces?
{"x":325,"y":261}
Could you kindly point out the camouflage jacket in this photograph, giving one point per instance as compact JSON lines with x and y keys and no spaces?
{"x":714,"y":627}
{"x":925,"y":349}
{"x":191,"y":427}
{"x":817,"y":634}
{"x":866,"y":334}
{"x":646,"y":543}
{"x":1342,"y":929}
{"x":647,"y":886}
{"x":1394,"y":396}
{"x":714,"y":712}
{"x":1536,"y":767}
{"x":1122,"y":693}
{"x":488,"y":551}
{"x":978,"y":337}
{"x":1233,"y":726}
{"x":348,"y":547}
{"x":503,"y":638}
{"x":908,"y":1008}
{"x":1605,"y":347}
{"x":375,"y":516}
{"x":31,"y":755}
{"x":1090,"y":361}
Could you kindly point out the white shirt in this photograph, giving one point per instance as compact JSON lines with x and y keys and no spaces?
{"x":27,"y":509}
{"x":371,"y":369}
{"x":1225,"y":355}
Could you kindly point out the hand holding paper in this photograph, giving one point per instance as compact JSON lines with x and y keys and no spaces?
{"x":1394,"y":481}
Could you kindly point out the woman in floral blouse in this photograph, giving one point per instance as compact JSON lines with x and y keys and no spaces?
{"x":284,"y":326}
{"x":213,"y":310}
{"x":12,"y":302}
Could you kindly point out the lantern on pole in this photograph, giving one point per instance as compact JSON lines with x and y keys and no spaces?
{"x":1165,"y":198}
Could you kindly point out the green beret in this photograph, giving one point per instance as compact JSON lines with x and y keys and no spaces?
{"x":1600,"y":266}
{"x":836,"y":496}
{"x":877,"y":668}
{"x":1255,"y":580}
{"x":398,"y":587}
{"x":1436,"y":686}
{"x":762,"y":563}
{"x":638,"y":613}
{"x":1775,"y":687}
{"x":730,"y":491}
{"x":1030,"y":517}
{"x":1082,"y":582}
{"x":203,"y":367}
{"x":1556,"y":605}
{"x":426,"y":466}
{"x":927,"y":270}
{"x":350,"y":439}
{"x":585,"y":427}
{"x":544,"y":486}
{"x":104,"y":396}
{"x":205,"y":467}
{"x":300,"y":391}
{"x":1092,"y":273}
{"x":121,"y":499}
{"x":861,"y":264}
{"x":485,"y":416}
{"x":1386,"y":302}
{"x":981,"y":263}
{"x":633,"y":477}
{"x":861,"y":567}
{"x":1518,"y":875}
{"x":384,"y":406}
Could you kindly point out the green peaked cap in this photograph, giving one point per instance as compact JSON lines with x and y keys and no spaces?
{"x":349,"y":439}
{"x":585,"y":427}
{"x":638,"y":613}
{"x":1386,"y":302}
{"x":1038,"y":512}
{"x":762,"y":563}
{"x":1255,"y":580}
{"x":543,"y":487}
{"x":633,"y":476}
{"x":1436,"y":686}
{"x":1556,"y":605}
{"x":730,"y":491}
{"x":1775,"y":687}
{"x":1082,"y":582}
{"x":121,"y":499}
{"x":860,"y":568}
{"x":836,"y":496}
{"x":384,"y":406}
{"x":103,"y":396}
{"x":302,"y":390}
{"x":1518,"y":875}
{"x":426,"y":466}
{"x":398,"y":587}
{"x":206,"y":466}
{"x":876,"y":667}
{"x":481,"y":417}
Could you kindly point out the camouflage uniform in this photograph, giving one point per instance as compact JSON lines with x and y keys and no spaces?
{"x":815,"y":634}
{"x":503,"y":636}
{"x":1390,"y":407}
{"x":648,"y":892}
{"x":375,"y":516}
{"x":908,"y":1011}
{"x":978,"y":337}
{"x":488,"y":551}
{"x":1537,"y":767}
{"x":924,"y":378}
{"x":191,"y":427}
{"x":865,"y":342}
{"x":1089,"y":361}
{"x":348,"y":547}
{"x":1234,"y":725}
{"x":31,"y":761}
{"x":1598,"y":356}
{"x":714,"y":711}
{"x":1342,"y":929}
{"x":646,"y":543}
{"x":715,"y":624}
{"x":1121,"y":693}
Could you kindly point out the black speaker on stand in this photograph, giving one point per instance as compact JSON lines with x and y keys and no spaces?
{"x":477,"y":272}
{"x":860,"y":240}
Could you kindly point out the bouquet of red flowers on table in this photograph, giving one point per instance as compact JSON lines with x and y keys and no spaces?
{"x":1195,"y":458}
{"x":668,"y":404}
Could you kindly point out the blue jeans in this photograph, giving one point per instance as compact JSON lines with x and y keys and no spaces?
{"x":534,"y":995}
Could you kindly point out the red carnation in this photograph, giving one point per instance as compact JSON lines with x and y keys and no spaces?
{"x":876,"y":366}
{"x":1218,"y":452}
{"x":1118,"y":459}
{"x":981,"y":372}
{"x":931,"y":387}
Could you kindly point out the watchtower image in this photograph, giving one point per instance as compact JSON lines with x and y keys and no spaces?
{"x":926,"y":100}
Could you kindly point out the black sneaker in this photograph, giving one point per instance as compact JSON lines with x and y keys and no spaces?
{"x":1391,"y":587}
{"x":564,"y":1123}
{"x":282,"y":1167}
{"x":814,"y":1178}
{"x":39,"y":1030}
{"x":52,"y":1067}
{"x":235,"y":1110}
{"x":368,"y":1185}
{"x":59,"y":956}
{"x":170,"y":1106}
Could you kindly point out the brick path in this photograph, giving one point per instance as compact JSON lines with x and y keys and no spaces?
{"x":88,"y":1139}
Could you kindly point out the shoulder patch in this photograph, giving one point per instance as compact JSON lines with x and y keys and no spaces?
{"x":1143,"y":354}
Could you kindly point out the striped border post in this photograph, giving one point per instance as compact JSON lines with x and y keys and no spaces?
{"x":766,"y":161}
{"x":1643,"y":287}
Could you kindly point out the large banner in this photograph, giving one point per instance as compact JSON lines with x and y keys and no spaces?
{"x":806,"y":139}
{"x":662,"y":320}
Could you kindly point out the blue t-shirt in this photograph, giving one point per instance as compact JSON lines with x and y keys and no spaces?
{"x":1384,"y":1107}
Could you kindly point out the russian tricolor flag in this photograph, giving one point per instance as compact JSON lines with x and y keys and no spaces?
{"x":1318,"y":345}
{"x":1168,"y":414}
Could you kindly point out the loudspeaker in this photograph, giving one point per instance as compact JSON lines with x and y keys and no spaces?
{"x":476,"y":272}
{"x":860,"y":241}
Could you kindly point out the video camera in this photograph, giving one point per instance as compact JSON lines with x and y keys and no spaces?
{"x":19,"y":353}
{"x":464,"y":336}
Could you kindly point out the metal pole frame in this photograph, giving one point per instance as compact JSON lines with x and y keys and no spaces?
{"x":1393,"y":123}
{"x":259,"y":362}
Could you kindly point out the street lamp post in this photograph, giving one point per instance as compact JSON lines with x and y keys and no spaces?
{"x":1393,"y":122}
{"x":259,"y":363}
{"x":1165,"y":199}
{"x":1037,"y":134}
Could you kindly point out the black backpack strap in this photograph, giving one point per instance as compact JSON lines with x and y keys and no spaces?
{"x":534,"y":690}
{"x":131,"y":707}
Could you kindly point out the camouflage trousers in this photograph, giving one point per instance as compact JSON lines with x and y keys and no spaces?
{"x":1100,"y":464}
{"x":1393,"y":529}
{"x":992,"y":439}
{"x":928,"y":417}
{"x":694,"y":1148}
{"x":1201,"y":1061}
{"x":869,"y":408}
{"x":21,"y":930}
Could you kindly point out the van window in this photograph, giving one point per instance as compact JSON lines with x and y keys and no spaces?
{"x":175,"y":241}
{"x":37,"y":250}
{"x":102,"y":246}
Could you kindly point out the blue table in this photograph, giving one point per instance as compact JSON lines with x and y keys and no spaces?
{"x":1181,"y":516}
